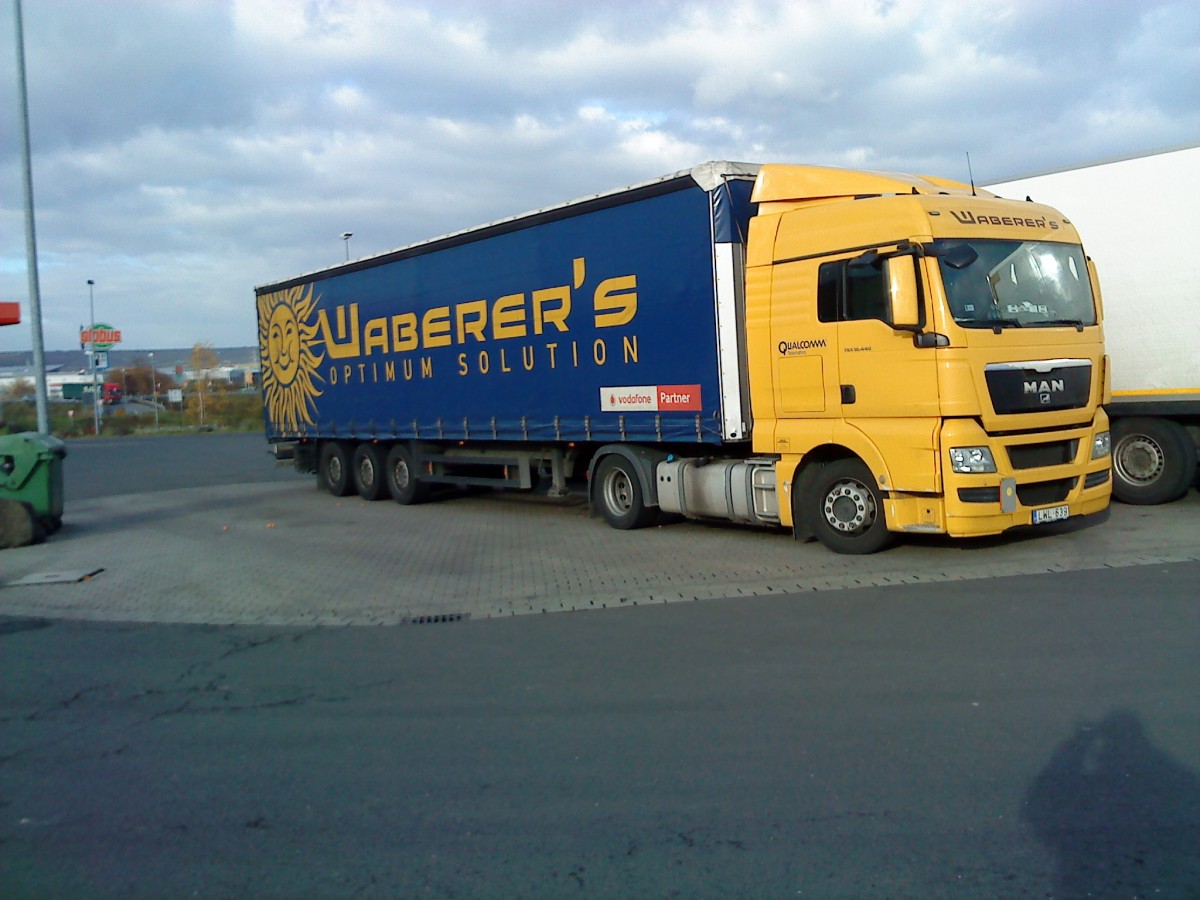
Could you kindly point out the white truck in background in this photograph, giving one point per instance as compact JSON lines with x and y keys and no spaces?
{"x":1138,"y":220}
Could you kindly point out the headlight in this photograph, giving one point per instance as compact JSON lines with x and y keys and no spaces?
{"x":1101,"y":445}
{"x":972,"y":460}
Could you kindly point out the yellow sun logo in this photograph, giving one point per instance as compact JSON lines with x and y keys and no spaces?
{"x":289,"y":365}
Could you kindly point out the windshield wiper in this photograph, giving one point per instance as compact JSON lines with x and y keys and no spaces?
{"x":1077,"y":324}
{"x":998,"y":325}
{"x":995,"y":324}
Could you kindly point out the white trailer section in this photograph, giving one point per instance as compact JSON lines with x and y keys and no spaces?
{"x":1137,"y":217}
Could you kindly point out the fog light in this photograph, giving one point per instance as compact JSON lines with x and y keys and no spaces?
{"x":1101,"y":445}
{"x":972,"y":460}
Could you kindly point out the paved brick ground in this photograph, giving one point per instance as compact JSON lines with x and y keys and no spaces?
{"x":288,"y":554}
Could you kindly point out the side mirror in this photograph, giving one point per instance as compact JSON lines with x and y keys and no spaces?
{"x":902,"y":293}
{"x":868,"y":258}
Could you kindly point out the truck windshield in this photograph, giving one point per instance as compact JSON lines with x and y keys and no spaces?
{"x":1016,"y":284}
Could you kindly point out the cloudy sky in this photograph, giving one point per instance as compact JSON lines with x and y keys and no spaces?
{"x":185,"y":151}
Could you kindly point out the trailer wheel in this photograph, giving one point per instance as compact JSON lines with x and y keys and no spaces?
{"x":369,"y":467}
{"x":333,"y":468}
{"x":619,"y":490}
{"x":843,"y":507}
{"x":402,"y":481}
{"x":1154,"y":460}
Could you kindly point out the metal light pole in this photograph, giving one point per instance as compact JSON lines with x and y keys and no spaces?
{"x":92,"y":351}
{"x":154,"y":384}
{"x":35,"y":294}
{"x":346,"y":235}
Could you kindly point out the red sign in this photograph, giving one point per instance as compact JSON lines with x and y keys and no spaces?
{"x":101,"y":336}
{"x":679,"y":396}
{"x":10,"y":313}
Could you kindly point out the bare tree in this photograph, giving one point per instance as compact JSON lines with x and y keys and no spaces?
{"x":204,"y":360}
{"x":19,"y":390}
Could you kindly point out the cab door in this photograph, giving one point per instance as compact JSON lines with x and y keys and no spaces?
{"x":882,"y":373}
{"x":887,"y":386}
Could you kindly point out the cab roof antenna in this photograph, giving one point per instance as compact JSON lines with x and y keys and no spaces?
{"x":971,"y":174}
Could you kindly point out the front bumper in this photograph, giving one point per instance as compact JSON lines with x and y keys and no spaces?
{"x":1040,"y":476}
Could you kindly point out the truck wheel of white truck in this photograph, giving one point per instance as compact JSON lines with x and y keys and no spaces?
{"x":619,"y":491}
{"x":401,"y":472}
{"x":368,"y":467}
{"x":843,"y":507}
{"x":333,"y":468}
{"x":1154,"y":460}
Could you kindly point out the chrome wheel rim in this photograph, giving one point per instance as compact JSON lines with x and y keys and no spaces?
{"x":618,"y":491}
{"x":400,"y":474}
{"x":849,"y":507}
{"x":366,"y":471}
{"x":1139,"y":459}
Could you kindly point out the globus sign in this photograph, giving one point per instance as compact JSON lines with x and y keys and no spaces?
{"x":101,"y":335}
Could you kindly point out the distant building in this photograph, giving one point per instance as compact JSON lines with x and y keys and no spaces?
{"x":239,"y":366}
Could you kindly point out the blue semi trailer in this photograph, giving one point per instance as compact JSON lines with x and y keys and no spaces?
{"x":604,"y":328}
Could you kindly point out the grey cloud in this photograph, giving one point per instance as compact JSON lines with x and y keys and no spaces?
{"x":187,"y":151}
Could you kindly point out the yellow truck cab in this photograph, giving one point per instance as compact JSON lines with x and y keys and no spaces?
{"x":923,"y":356}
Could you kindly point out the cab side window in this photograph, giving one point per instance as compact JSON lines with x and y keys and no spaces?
{"x":848,"y":293}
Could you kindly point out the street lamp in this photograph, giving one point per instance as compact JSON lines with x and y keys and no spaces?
{"x":92,"y":352}
{"x":346,"y":235}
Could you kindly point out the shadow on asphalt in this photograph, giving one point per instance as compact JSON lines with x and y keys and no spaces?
{"x":1118,"y":814}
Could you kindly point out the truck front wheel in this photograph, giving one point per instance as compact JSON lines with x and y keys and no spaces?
{"x":1154,"y":460}
{"x":402,"y":483}
{"x":333,"y":468}
{"x":843,"y":507}
{"x":619,"y":491}
{"x":368,"y":471}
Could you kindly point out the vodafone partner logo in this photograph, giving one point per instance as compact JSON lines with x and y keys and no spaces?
{"x":651,"y":398}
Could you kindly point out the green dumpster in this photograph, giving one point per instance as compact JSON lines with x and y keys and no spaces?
{"x":31,"y":487}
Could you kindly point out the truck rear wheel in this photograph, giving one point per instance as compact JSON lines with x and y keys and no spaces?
{"x":843,"y":507}
{"x":1154,"y":460}
{"x":619,"y":491}
{"x":368,"y":471}
{"x":401,"y":472}
{"x":333,"y":468}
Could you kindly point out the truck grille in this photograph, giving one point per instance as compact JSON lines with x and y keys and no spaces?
{"x":1039,"y":456}
{"x":1043,"y":492}
{"x":1039,"y":386}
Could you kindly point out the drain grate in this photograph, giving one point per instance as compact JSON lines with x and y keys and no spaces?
{"x":69,"y":577}
{"x":436,"y":619}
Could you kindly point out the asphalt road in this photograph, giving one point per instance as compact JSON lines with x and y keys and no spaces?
{"x":132,"y":465}
{"x":1009,"y":737}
